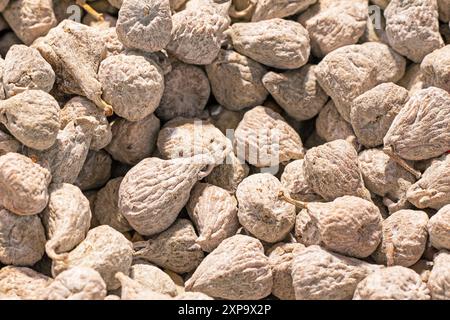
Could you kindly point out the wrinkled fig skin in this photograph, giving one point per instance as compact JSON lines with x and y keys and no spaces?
{"x":433,"y":189}
{"x":26,"y":69}
{"x":134,"y":290}
{"x":293,"y":179}
{"x":392,"y":283}
{"x":154,"y":191}
{"x":74,"y":51}
{"x":438,"y":228}
{"x":330,"y":125}
{"x":439,"y":280}
{"x":260,"y":211}
{"x":297,"y":92}
{"x":144,"y":24}
{"x":269,"y":9}
{"x":214,"y":213}
{"x":8,"y":143}
{"x":384,"y":176}
{"x":263,"y":138}
{"x":349,"y":225}
{"x":280,"y":258}
{"x":133,"y":141}
{"x":193,"y":296}
{"x":181,"y":138}
{"x":186,"y":92}
{"x":197,"y":35}
{"x":420,"y":130}
{"x":77,"y":283}
{"x":32,"y":117}
{"x":23,"y":184}
{"x":277,"y":43}
{"x":153,"y":278}
{"x":376,"y":63}
{"x":82,"y":107}
{"x":66,"y":157}
{"x":373,"y":112}
{"x":67,"y":218}
{"x":3,"y":4}
{"x":133,"y":84}
{"x":319,"y":274}
{"x":105,"y":250}
{"x":412,"y":28}
{"x":404,"y":238}
{"x":332,"y":170}
{"x":22,"y":239}
{"x":30,"y":19}
{"x":22,"y":283}
{"x":413,"y":79}
{"x":95,"y":172}
{"x":229,"y":174}
{"x":236,"y":269}
{"x":334,"y":24}
{"x":174,"y":248}
{"x":236,"y":80}
{"x":435,"y":68}
{"x":106,"y":208}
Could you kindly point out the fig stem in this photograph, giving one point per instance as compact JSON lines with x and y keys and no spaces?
{"x":97,"y":16}
{"x":390,"y":152}
{"x":107,"y":108}
{"x":298,"y":204}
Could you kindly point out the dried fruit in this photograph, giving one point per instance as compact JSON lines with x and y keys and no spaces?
{"x":30,"y":19}
{"x":174,"y":248}
{"x":197,"y":34}
{"x":236,"y":269}
{"x":260,"y":211}
{"x":8,"y":143}
{"x":348,"y":225}
{"x":25,"y":69}
{"x":373,"y":112}
{"x":236,"y":80}
{"x":280,"y":259}
{"x":293,"y":179}
{"x":412,"y":28}
{"x":438,"y":228}
{"x":229,"y":174}
{"x":277,"y":43}
{"x":332,"y":170}
{"x":153,"y":278}
{"x":435,"y":68}
{"x":186,"y":92}
{"x":322,"y":275}
{"x":181,"y":138}
{"x":106,"y":208}
{"x":413,"y":79}
{"x":22,"y":283}
{"x":77,"y":283}
{"x":105,"y":250}
{"x":376,"y":63}
{"x":133,"y":84}
{"x":67,"y":219}
{"x":214,"y":213}
{"x":95,"y":172}
{"x":297,"y":92}
{"x":439,"y":279}
{"x":32,"y":117}
{"x":268,"y":9}
{"x":330,"y":125}
{"x":144,"y":25}
{"x":154,"y":191}
{"x":432,"y":190}
{"x":81,"y":107}
{"x":134,"y":290}
{"x":133,"y":141}
{"x":66,"y":157}
{"x":332,"y":24}
{"x":392,"y":283}
{"x":404,"y":238}
{"x":23,"y":184}
{"x":22,"y":239}
{"x":263,"y":138}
